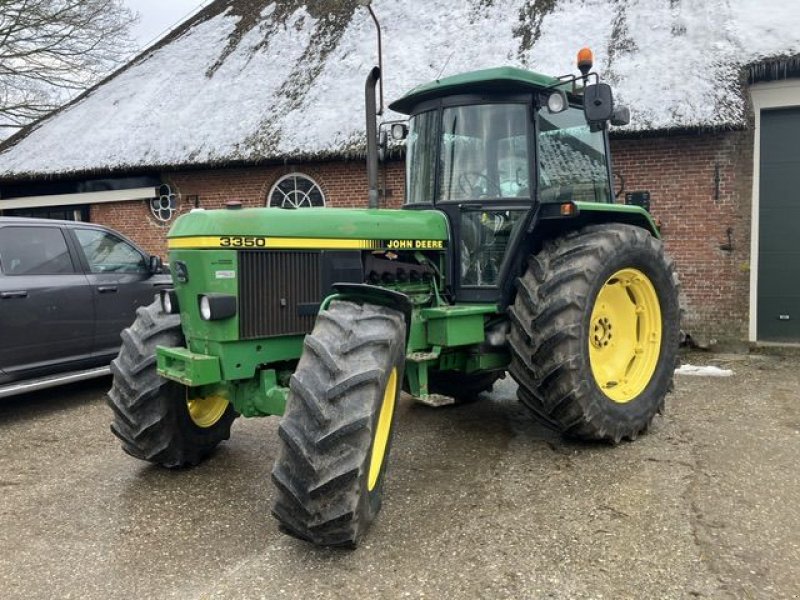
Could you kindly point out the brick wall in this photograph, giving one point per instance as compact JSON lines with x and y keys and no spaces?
{"x":343,"y":183}
{"x":695,"y":214}
{"x":679,"y":172}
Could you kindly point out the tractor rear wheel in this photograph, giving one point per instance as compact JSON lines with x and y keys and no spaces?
{"x":336,"y":432}
{"x":158,"y":420}
{"x":595,"y":328}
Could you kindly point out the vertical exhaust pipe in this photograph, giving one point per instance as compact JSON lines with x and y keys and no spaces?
{"x":372,"y":136}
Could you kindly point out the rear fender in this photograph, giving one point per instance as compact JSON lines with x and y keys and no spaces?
{"x":591,"y":213}
{"x":550,"y":220}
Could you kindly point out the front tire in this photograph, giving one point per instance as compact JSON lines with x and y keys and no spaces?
{"x":595,"y":330}
{"x":158,"y":420}
{"x":336,"y":432}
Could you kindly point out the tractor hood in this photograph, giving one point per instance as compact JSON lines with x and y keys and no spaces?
{"x":310,"y":228}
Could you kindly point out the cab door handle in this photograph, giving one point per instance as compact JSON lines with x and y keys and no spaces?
{"x":14,"y":294}
{"x":106,"y":289}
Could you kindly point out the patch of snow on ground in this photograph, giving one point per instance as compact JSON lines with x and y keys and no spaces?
{"x":706,"y":371}
{"x":504,"y":390}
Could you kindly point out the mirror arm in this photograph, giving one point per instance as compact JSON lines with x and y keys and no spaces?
{"x":562,"y":79}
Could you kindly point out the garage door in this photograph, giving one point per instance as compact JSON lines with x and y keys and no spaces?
{"x":779,"y":227}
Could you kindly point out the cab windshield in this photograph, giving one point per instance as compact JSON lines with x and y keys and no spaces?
{"x":482,"y":151}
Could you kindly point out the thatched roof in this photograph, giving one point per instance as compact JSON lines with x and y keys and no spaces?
{"x":246,"y":81}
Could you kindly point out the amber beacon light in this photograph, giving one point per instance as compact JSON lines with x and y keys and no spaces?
{"x":585,"y":60}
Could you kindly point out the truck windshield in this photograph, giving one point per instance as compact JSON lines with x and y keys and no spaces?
{"x":482,"y":150}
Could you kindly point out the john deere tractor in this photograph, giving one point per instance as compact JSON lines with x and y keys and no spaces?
{"x":509,"y":255}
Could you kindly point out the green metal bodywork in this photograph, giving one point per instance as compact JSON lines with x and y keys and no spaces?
{"x":440,"y":336}
{"x":214,"y":359}
{"x":214,"y":355}
{"x":379,"y":224}
{"x":187,"y":367}
{"x":253,"y":374}
{"x":211,"y":272}
{"x":457,"y":325}
{"x":600,"y":212}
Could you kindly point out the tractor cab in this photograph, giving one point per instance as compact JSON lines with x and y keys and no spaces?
{"x":489,"y":148}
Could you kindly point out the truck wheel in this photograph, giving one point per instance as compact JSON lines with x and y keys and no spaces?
{"x":464,"y":387}
{"x":336,"y":431}
{"x":594,"y":333}
{"x":158,"y":420}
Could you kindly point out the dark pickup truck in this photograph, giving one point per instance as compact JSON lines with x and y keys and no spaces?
{"x":67,"y":290}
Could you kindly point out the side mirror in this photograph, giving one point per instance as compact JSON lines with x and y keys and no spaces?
{"x":155,"y":265}
{"x":621,"y":116}
{"x":598,"y":103}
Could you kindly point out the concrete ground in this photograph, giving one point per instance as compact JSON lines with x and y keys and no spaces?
{"x":481,"y":502}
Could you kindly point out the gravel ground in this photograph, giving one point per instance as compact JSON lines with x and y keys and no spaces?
{"x":481,"y":502}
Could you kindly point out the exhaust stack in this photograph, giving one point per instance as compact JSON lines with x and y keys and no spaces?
{"x":372,"y":136}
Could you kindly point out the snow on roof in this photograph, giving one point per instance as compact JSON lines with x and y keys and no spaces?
{"x":253,"y":80}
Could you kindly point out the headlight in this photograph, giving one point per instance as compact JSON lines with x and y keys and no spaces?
{"x":205,"y":308}
{"x":169,"y":302}
{"x":217,"y":306}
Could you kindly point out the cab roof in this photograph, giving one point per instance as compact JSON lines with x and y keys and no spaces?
{"x":498,"y":79}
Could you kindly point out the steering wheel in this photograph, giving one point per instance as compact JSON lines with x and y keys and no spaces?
{"x":469,"y":182}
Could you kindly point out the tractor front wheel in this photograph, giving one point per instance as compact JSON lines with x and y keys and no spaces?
{"x":594,"y":335}
{"x":336,"y":432}
{"x":158,"y":420}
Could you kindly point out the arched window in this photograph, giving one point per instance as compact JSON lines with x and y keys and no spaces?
{"x":295,"y":190}
{"x":165,"y":205}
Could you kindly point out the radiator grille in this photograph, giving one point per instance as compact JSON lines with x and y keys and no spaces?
{"x":272,"y":286}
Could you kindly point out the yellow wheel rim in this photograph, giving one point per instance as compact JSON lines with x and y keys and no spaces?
{"x":625,"y":335}
{"x":206,"y":410}
{"x":381,"y":439}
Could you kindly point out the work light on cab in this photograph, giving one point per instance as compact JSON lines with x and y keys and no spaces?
{"x":557,"y":102}
{"x":399,"y":131}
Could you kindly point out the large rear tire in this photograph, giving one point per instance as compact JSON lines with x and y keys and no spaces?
{"x":336,"y":431}
{"x":595,"y":330}
{"x":158,"y":420}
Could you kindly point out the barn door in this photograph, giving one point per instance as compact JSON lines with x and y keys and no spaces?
{"x":778,"y":314}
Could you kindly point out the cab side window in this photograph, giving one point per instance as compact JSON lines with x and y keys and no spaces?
{"x":34,"y":251}
{"x":572,"y":159}
{"x":106,"y":253}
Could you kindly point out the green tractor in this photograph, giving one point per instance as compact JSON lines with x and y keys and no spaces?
{"x":509,"y":254}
